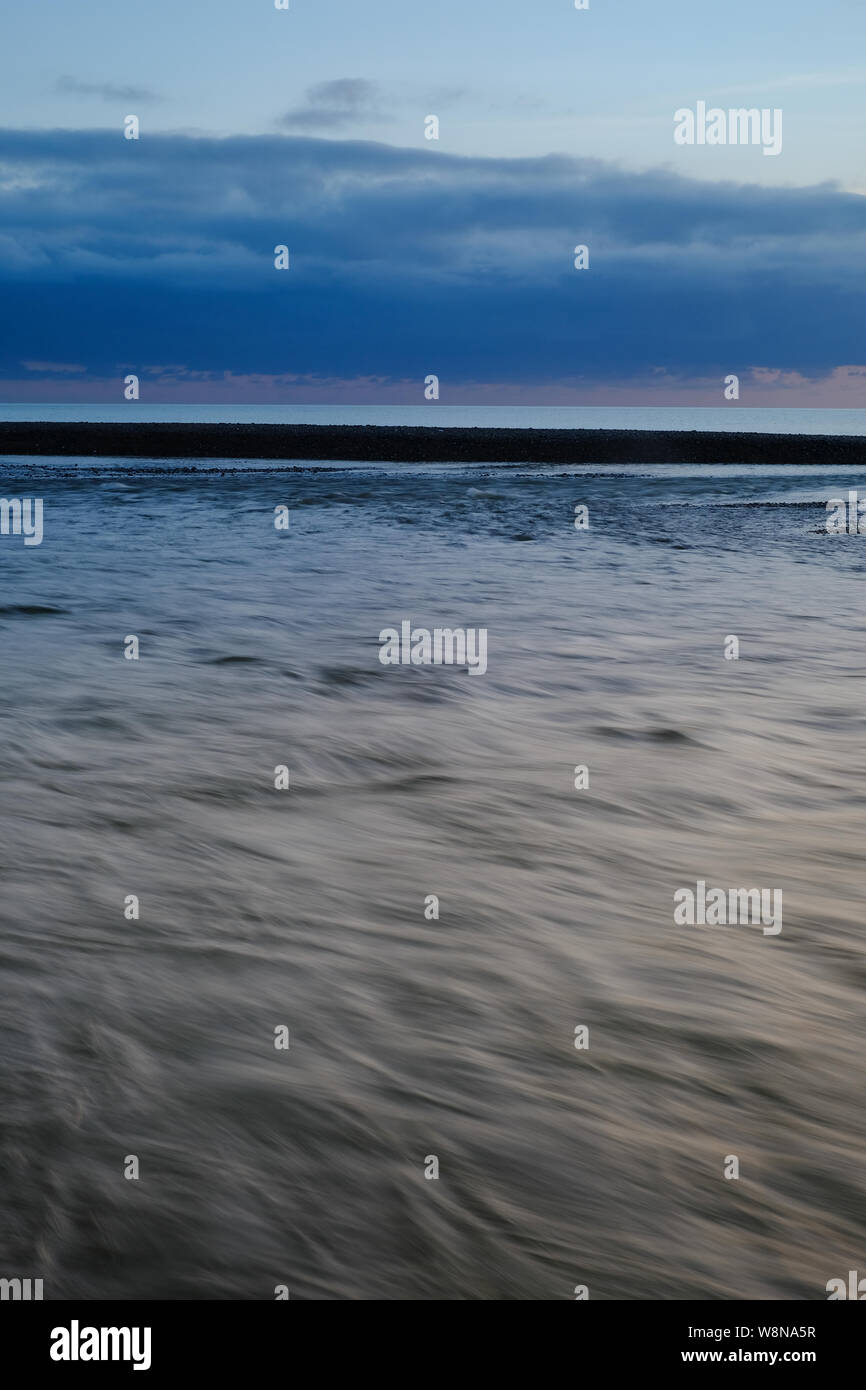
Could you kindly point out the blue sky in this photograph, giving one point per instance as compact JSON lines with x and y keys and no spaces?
{"x":411,"y":256}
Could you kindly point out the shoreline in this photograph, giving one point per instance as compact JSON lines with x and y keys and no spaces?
{"x":423,"y":444}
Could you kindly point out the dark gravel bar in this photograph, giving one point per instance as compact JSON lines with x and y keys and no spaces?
{"x":423,"y":444}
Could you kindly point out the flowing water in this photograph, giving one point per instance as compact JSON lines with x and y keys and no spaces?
{"x":305,"y":908}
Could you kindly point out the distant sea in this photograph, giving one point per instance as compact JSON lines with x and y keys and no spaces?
{"x":733,"y":417}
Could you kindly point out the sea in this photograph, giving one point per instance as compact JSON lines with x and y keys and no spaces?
{"x":421,"y":1024}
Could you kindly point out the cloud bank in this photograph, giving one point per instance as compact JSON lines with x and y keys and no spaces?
{"x":120,"y":254}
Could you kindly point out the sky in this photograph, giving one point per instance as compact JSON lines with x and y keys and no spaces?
{"x":409,"y":257}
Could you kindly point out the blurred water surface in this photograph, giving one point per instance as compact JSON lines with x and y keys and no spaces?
{"x":306,"y":908}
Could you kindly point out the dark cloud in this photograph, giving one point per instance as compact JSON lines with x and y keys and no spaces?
{"x":409,"y":261}
{"x":335,"y":105}
{"x":108,"y":91}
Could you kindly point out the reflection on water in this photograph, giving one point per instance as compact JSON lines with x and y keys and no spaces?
{"x":413,"y":1037}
